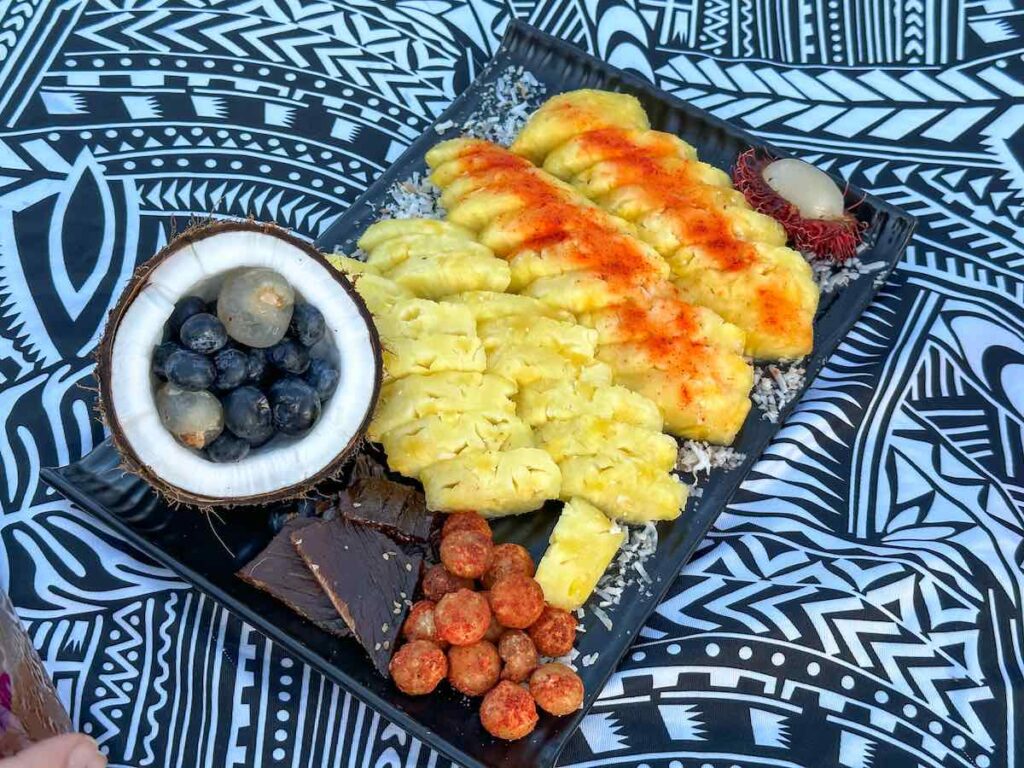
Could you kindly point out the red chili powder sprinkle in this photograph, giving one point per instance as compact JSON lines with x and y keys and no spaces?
{"x":552,"y":216}
{"x":674,"y":186}
{"x":780,"y":315}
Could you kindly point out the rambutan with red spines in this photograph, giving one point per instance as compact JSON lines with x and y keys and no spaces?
{"x":833,"y":237}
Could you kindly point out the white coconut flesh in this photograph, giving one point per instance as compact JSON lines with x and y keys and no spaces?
{"x":810,"y":189}
{"x":199,"y":268}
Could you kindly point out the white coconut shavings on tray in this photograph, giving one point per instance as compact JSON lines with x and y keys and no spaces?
{"x":501,"y":115}
{"x":698,"y":456}
{"x":503,"y":111}
{"x":831,"y":277}
{"x":628,"y":568}
{"x":775,"y":385}
{"x":414,"y":198}
{"x":569,"y":659}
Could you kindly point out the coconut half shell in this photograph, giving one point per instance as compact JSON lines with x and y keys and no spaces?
{"x":196,"y":262}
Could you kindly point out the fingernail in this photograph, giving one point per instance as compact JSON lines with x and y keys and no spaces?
{"x":86,"y":756}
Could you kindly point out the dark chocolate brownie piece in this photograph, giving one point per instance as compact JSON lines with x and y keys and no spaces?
{"x":279,"y":571}
{"x":367,"y":575}
{"x":399,"y":510}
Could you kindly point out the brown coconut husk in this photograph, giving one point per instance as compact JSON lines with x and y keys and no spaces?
{"x":130,"y":462}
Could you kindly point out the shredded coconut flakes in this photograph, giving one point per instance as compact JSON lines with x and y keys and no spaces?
{"x":830,"y":276}
{"x":698,"y":456}
{"x":627,"y":568}
{"x":502,"y":113}
{"x":569,"y":659}
{"x":414,"y":198}
{"x":504,"y":110}
{"x":775,"y":385}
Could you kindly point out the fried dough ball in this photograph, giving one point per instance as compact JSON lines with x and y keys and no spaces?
{"x":516,"y":649}
{"x":466,"y":553}
{"x":517,"y":601}
{"x":554,"y":633}
{"x":508,"y":559}
{"x":438,"y":582}
{"x":465,"y":521}
{"x":557,"y":689}
{"x":418,"y":667}
{"x":419,"y":624}
{"x":474,"y":669}
{"x":508,"y":712}
{"x":495,"y":631}
{"x":462,"y":617}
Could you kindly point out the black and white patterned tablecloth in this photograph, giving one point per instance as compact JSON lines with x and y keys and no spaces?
{"x":859,"y":605}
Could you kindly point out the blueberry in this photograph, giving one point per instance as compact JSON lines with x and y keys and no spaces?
{"x":227,"y":448}
{"x":189,"y":370}
{"x":232,"y":368}
{"x":264,"y":438}
{"x":247,"y":415}
{"x":289,"y":356}
{"x":203,"y":333}
{"x":322,"y":377}
{"x":183,"y":310}
{"x":160,"y":355}
{"x":256,"y":365}
{"x":307,"y":324}
{"x":295,"y":405}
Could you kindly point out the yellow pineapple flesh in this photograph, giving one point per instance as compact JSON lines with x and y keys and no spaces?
{"x":607,"y":175}
{"x":545,"y":401}
{"x":569,"y":339}
{"x":438,"y":275}
{"x":386,"y":229}
{"x":593,"y":435}
{"x":488,"y":305}
{"x":414,"y":397}
{"x":417,"y":444}
{"x":624,"y":489}
{"x":494,"y":483}
{"x":586,"y":149}
{"x":582,"y":546}
{"x":434,"y":353}
{"x":633,"y":202}
{"x":525,"y":364}
{"x":411,"y":318}
{"x":397,"y":250}
{"x":566,"y":115}
{"x":379,"y":293}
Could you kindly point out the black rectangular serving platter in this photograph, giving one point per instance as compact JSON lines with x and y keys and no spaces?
{"x":196,"y":546}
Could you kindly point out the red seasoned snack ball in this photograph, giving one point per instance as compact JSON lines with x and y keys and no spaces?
{"x":462,"y":617}
{"x":506,"y":560}
{"x":465,"y":521}
{"x":474,"y":669}
{"x":554,"y":633}
{"x":418,"y":667}
{"x":438,"y":582}
{"x":517,"y":601}
{"x":466,"y":553}
{"x":508,"y":712}
{"x":557,"y":689}
{"x":419,"y":624}
{"x":516,"y":649}
{"x":495,"y":630}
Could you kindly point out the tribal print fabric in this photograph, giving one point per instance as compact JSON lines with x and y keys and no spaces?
{"x":860,"y":604}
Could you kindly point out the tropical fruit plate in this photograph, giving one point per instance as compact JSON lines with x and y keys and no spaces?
{"x":196,"y":545}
